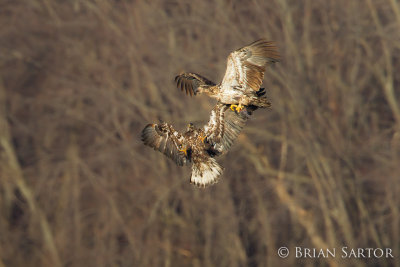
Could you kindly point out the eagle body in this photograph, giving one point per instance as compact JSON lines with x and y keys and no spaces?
{"x":198,"y":146}
{"x":243,"y":77}
{"x":228,"y":94}
{"x":205,"y":169}
{"x":184,"y":149}
{"x":233,"y":96}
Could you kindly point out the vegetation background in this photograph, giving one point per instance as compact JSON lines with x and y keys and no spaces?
{"x":80,"y":79}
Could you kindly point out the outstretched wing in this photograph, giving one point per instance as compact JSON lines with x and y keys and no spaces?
{"x":164,"y":138}
{"x":215,"y":127}
{"x":246,"y":66}
{"x":225,"y":125}
{"x":233,"y":124}
{"x":193,"y":83}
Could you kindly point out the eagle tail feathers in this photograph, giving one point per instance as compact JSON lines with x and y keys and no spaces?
{"x":206,"y":172}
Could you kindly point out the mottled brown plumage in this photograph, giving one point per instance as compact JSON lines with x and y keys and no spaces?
{"x":243,"y":76}
{"x":198,"y":146}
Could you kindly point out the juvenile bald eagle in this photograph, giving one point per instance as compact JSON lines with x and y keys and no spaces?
{"x":198,"y":146}
{"x":243,"y":77}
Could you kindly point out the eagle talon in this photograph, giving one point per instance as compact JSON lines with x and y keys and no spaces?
{"x":237,"y":108}
{"x":203,"y":137}
{"x":184,"y":151}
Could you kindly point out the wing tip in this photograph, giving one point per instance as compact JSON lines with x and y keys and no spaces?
{"x":266,"y":48}
{"x":148,"y":134}
{"x":152,"y":136}
{"x":184,"y":84}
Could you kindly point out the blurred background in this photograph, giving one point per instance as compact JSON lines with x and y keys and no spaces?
{"x":80,"y":79}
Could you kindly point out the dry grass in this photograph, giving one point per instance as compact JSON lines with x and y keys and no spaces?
{"x":80,"y":79}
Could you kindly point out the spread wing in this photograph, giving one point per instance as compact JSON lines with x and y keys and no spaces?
{"x":225,"y":125}
{"x":214,"y":129}
{"x":193,"y":83}
{"x":164,"y":138}
{"x":246,"y":66}
{"x":233,"y":124}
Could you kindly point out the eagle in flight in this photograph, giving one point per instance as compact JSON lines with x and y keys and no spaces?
{"x":243,"y":77}
{"x":199,"y":146}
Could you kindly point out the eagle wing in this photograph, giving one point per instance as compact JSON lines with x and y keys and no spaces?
{"x":225,"y":125}
{"x":246,"y":66}
{"x":215,"y":127}
{"x":193,"y":83}
{"x":164,"y":138}
{"x":233,"y":125}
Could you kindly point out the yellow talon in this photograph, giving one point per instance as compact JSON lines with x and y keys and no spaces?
{"x":203,"y":137}
{"x":238,"y":108}
{"x":184,"y":151}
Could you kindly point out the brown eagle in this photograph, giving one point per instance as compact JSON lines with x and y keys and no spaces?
{"x":243,"y":77}
{"x":199,"y":146}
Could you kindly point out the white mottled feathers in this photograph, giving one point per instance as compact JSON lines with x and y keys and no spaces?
{"x":233,"y":123}
{"x":246,"y":66}
{"x":164,"y":138}
{"x":243,"y":77}
{"x":225,"y":125}
{"x":215,"y":127}
{"x":239,"y":89}
{"x":205,"y":172}
{"x":201,"y":144}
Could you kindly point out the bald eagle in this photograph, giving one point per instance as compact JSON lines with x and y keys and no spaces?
{"x":243,"y":77}
{"x":199,"y":146}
